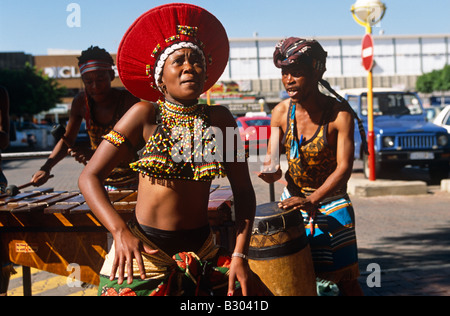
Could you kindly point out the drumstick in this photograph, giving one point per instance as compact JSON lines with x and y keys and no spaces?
{"x":23,"y":186}
{"x":13,"y":190}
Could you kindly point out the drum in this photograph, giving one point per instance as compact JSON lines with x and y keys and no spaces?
{"x":279,"y":252}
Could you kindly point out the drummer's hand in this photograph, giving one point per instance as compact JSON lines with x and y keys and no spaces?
{"x":239,"y":271}
{"x":128,"y":247}
{"x":40,"y":178}
{"x":271,"y":174}
{"x":297,"y":203}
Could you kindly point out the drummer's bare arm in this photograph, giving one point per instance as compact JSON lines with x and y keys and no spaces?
{"x":61,"y":149}
{"x":107,"y":156}
{"x":271,"y":168}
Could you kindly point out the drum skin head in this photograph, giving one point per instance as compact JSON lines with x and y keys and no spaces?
{"x":269,"y":209}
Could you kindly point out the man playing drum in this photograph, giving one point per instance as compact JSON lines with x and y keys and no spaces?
{"x":318,"y":134}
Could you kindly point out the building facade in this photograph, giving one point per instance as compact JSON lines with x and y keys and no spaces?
{"x":399,"y":60}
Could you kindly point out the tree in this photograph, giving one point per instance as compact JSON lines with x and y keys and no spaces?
{"x":30,"y":91}
{"x":437,"y":80}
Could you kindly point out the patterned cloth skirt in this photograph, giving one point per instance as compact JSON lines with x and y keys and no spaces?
{"x":204,"y":273}
{"x":331,"y":235}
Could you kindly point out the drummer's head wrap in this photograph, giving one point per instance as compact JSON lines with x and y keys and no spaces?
{"x":294,"y":50}
{"x":161,"y":31}
{"x":95,"y":58}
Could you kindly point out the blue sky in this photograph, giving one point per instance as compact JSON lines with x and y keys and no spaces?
{"x":33,"y":26}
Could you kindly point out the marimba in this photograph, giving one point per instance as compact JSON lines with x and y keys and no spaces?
{"x":53,"y":230}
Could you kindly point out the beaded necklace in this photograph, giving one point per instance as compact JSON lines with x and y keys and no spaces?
{"x":173,"y":114}
{"x":184,"y":135}
{"x":189,"y":123}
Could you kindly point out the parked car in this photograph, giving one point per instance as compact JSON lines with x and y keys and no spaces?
{"x":432,"y":112}
{"x":443,"y":118}
{"x":254,"y":131}
{"x":16,"y":138}
{"x":20,"y":137}
{"x":83,"y":136}
{"x":402,"y":134}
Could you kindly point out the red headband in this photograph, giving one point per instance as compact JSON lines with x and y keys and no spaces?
{"x":93,"y":65}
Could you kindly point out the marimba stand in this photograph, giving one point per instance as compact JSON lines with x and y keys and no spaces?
{"x":48,"y":230}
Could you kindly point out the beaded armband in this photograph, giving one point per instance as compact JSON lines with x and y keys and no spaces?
{"x":117,"y":139}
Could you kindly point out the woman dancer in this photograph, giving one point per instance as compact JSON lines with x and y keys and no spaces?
{"x":174,"y":52}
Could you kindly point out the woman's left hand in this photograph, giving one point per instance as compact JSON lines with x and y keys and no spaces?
{"x":297,"y":203}
{"x":239,"y":271}
{"x":251,"y":284}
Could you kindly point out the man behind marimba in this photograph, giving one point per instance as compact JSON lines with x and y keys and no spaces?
{"x":101,"y":106}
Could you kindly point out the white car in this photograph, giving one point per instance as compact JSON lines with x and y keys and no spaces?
{"x":20,"y":139}
{"x":443,"y":118}
{"x":31,"y":135}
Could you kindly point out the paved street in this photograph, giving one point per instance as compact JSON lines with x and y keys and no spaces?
{"x":407,"y":237}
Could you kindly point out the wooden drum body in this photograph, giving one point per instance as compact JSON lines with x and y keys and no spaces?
{"x":279,"y":252}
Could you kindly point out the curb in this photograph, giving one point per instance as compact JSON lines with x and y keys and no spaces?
{"x":366,"y":188}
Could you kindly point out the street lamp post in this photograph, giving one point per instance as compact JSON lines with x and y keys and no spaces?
{"x":369,"y":13}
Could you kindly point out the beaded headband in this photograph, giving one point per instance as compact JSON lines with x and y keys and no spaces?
{"x":169,"y":51}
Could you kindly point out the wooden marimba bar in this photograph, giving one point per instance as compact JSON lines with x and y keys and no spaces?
{"x":51,"y":230}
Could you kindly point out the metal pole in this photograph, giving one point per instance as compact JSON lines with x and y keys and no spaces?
{"x":272,"y":192}
{"x":27,"y":155}
{"x":370,"y":134}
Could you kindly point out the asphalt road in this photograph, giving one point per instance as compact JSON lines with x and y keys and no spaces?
{"x":407,"y":237}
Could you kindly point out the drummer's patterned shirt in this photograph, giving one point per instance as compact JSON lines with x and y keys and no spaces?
{"x":315,"y":162}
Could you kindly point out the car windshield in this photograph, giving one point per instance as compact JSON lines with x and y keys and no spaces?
{"x":258,"y":122}
{"x":392,"y":104}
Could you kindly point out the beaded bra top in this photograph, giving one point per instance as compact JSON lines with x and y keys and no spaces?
{"x":182,"y":145}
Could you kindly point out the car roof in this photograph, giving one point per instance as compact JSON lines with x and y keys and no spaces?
{"x":440,"y":117}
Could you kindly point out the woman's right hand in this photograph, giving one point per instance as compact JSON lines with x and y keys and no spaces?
{"x":40,"y":178}
{"x":271,"y":174}
{"x":81,"y":155}
{"x":128,"y":248}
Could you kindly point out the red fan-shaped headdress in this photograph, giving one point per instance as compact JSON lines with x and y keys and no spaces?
{"x":171,"y":25}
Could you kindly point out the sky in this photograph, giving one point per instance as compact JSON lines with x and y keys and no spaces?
{"x":34,"y":26}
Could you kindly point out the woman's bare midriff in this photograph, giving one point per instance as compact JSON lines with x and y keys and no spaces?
{"x":172,"y":205}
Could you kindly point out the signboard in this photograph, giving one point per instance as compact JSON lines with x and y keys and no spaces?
{"x":67,"y":72}
{"x":367,"y":52}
